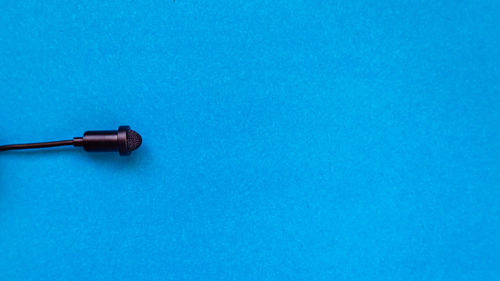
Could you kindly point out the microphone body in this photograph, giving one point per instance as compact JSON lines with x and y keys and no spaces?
{"x":106,"y":141}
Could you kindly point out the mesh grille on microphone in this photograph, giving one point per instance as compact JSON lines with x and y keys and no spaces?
{"x":134,"y":140}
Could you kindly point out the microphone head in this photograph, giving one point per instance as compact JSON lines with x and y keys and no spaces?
{"x":128,"y":140}
{"x":134,"y":140}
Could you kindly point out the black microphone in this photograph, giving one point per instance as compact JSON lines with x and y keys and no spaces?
{"x":124,"y":140}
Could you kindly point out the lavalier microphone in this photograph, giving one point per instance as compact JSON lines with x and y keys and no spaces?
{"x":124,"y":140}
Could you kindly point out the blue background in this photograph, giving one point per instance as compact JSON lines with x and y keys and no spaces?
{"x":283,"y":140}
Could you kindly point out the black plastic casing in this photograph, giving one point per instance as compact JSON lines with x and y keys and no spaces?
{"x":105,"y":141}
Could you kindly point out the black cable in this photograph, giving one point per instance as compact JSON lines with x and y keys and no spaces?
{"x":36,"y":145}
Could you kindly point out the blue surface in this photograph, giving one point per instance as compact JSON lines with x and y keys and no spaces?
{"x":283,"y":140}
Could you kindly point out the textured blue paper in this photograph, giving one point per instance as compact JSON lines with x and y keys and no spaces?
{"x":283,"y":140}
